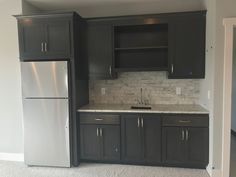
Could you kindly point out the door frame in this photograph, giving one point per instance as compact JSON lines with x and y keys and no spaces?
{"x":229,"y":24}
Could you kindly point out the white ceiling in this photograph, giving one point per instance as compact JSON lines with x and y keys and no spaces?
{"x":98,"y":8}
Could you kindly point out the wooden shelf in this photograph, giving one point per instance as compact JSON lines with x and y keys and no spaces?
{"x":141,"y":48}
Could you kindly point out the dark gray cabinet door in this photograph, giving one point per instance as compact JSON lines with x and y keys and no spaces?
{"x":57,"y":39}
{"x":131,"y":139}
{"x":152,"y":138}
{"x":100,"y":50}
{"x":31,"y":38}
{"x":90,"y":142}
{"x":187,"y":46}
{"x":173,"y":145}
{"x":44,"y":38}
{"x":110,"y":145}
{"x":197,"y":146}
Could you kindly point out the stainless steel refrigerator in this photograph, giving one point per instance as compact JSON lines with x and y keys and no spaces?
{"x":46,"y":113}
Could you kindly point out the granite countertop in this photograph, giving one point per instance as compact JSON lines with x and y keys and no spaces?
{"x":158,"y":108}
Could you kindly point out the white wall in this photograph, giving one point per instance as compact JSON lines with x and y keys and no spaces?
{"x":233,"y":127}
{"x":100,"y":8}
{"x":11,"y":134}
{"x":224,"y":9}
{"x":207,"y":84}
{"x":217,"y":10}
{"x":28,"y":8}
{"x":11,"y":115}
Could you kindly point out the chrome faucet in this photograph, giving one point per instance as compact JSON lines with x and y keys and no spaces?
{"x":141,"y":95}
{"x":141,"y":100}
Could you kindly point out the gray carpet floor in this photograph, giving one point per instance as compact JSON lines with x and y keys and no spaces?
{"x":17,"y":169}
{"x":233,"y":157}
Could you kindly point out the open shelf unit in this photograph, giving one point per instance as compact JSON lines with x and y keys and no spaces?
{"x":141,"y":47}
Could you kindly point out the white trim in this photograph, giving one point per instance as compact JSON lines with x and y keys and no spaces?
{"x":216,"y":173}
{"x":209,"y":170}
{"x":19,"y":157}
{"x":229,"y":24}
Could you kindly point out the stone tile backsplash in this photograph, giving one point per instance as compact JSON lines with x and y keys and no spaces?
{"x":157,"y":89}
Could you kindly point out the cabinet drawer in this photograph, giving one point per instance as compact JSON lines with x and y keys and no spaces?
{"x":99,"y":119}
{"x":186,"y":120}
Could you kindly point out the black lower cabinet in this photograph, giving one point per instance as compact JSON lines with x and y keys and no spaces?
{"x":100,"y":142}
{"x":152,"y":139}
{"x":131,"y":139}
{"x":141,"y":139}
{"x":145,"y":139}
{"x":173,"y":151}
{"x":185,"y":146}
{"x":89,"y":142}
{"x":197,"y":147}
{"x":110,"y":142}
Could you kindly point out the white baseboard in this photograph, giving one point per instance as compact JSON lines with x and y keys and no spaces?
{"x":217,"y":173}
{"x":19,"y":157}
{"x":209,"y":170}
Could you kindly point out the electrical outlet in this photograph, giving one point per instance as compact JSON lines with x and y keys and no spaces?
{"x":178,"y":90}
{"x":103,"y":91}
{"x":209,"y":94}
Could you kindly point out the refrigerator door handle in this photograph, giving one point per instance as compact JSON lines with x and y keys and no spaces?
{"x":67,"y":133}
{"x":67,"y":123}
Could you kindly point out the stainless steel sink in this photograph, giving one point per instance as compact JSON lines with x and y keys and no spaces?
{"x":141,"y":107}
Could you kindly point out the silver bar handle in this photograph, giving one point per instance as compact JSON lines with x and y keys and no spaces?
{"x":138,"y":122}
{"x":110,"y":71}
{"x":172,"y":68}
{"x":184,"y":121}
{"x":42,"y":50}
{"x":97,"y":131}
{"x":45,"y":47}
{"x":187,"y":135}
{"x":101,"y":132}
{"x":99,"y":119}
{"x":142,"y":122}
{"x":67,"y":123}
{"x":183,"y":135}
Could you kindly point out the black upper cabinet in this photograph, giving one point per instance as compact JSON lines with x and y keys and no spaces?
{"x":173,"y":42}
{"x":187,"y":46}
{"x":58,"y":38}
{"x":44,"y":37}
{"x":31,"y":38}
{"x":141,"y":47}
{"x":100,"y":50}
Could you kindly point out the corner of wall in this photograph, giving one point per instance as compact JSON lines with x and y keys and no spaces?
{"x":28,"y":8}
{"x":17,"y":157}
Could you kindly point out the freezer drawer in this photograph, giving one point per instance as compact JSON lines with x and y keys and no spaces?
{"x":44,"y":79}
{"x":46,"y":132}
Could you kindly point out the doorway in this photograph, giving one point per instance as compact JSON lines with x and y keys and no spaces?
{"x":229,"y":98}
{"x":233,"y":112}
